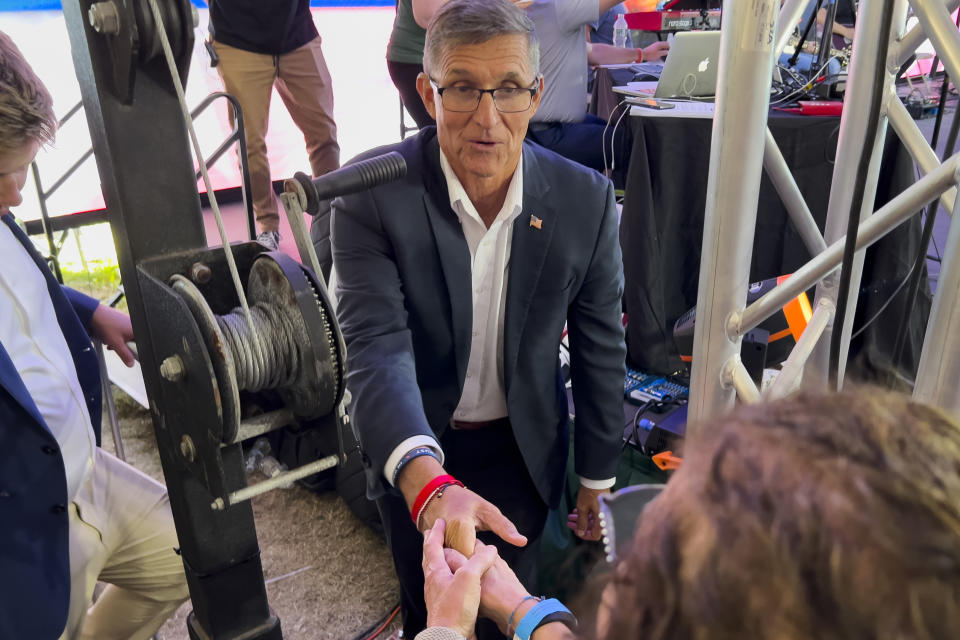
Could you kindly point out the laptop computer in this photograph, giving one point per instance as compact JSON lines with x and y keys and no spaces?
{"x":690,"y":70}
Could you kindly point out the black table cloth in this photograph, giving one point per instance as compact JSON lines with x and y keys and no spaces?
{"x":662,"y":227}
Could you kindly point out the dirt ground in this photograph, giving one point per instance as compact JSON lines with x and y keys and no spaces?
{"x":328,"y":575}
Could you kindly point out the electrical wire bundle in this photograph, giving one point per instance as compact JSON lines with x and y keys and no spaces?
{"x":795,"y":87}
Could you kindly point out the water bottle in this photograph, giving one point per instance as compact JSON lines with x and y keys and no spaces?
{"x":620,"y":31}
{"x":260,"y":448}
{"x":271,"y":467}
{"x":260,"y":458}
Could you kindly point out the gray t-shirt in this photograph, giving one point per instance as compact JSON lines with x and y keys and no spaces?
{"x":560,"y":26}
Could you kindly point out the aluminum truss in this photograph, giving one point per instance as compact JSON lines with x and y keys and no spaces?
{"x":753,"y":35}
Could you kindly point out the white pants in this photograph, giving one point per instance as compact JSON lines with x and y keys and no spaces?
{"x":121,"y":533}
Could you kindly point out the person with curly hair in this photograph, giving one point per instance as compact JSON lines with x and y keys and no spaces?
{"x":817,"y":516}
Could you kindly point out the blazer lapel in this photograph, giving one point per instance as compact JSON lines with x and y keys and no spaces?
{"x":11,"y":381}
{"x":532,"y":231}
{"x":454,"y":255}
{"x":9,"y":376}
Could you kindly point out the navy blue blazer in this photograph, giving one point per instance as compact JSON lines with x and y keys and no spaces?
{"x":405,"y":308}
{"x":34,"y":547}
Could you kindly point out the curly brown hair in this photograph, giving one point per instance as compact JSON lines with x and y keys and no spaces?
{"x":26,"y":108}
{"x":817,"y":516}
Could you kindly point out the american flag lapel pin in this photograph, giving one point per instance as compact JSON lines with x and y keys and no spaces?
{"x":536,"y":222}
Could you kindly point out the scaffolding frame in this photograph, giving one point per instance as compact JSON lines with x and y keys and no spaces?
{"x":753,"y":35}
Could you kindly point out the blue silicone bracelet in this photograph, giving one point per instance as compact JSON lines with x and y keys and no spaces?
{"x":539,"y":611}
{"x":410,"y":455}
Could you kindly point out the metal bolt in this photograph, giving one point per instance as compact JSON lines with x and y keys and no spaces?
{"x":172,"y":369}
{"x":187,"y":449}
{"x":104,"y":18}
{"x":200,"y":273}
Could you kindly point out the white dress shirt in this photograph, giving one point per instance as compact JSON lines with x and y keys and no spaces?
{"x":484,"y":396}
{"x":32,"y":337}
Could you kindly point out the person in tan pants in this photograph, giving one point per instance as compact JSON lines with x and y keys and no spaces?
{"x":71,"y":514}
{"x":260,"y":46}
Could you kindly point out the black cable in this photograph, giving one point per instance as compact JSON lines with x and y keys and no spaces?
{"x":916,"y":271}
{"x":905,"y":66}
{"x":806,"y":32}
{"x":884,"y":306}
{"x":853,"y":220}
{"x":926,"y":233}
{"x":826,"y":148}
{"x":943,"y":98}
{"x":636,"y":421}
{"x":826,"y":39}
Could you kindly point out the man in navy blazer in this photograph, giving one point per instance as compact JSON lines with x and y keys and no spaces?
{"x":455,"y":285}
{"x":70,"y":513}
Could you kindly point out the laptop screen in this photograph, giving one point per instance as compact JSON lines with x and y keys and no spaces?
{"x":690,"y":70}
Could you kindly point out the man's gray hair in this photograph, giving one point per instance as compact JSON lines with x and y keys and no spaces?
{"x":461,"y":22}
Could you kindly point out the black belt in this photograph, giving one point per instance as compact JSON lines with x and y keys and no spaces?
{"x":482,"y":424}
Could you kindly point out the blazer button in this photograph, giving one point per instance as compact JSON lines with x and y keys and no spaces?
{"x":47,"y":449}
{"x":58,"y":509}
{"x":4,"y":493}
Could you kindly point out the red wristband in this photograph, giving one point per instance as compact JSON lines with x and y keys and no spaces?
{"x":639,"y":55}
{"x":427,"y":491}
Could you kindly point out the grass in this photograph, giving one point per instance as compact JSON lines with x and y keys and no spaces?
{"x":101,"y":280}
{"x":88,"y":261}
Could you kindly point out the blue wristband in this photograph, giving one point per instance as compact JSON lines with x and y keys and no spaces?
{"x":532,"y":620}
{"x":517,"y":608}
{"x":410,"y":455}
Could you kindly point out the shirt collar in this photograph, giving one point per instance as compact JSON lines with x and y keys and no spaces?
{"x":460,"y":201}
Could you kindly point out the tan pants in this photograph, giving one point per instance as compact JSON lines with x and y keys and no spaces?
{"x":121,"y":533}
{"x":303,"y":82}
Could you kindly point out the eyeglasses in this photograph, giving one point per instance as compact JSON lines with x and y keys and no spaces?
{"x":461,"y":99}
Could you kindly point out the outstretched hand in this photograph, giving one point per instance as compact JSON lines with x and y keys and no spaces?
{"x":113,"y":329}
{"x":585,"y":518}
{"x":465,"y":513}
{"x":452,"y":594}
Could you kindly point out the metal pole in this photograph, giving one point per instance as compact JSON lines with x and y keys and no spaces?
{"x":45,"y":220}
{"x":882,"y":222}
{"x":279,"y":480}
{"x":109,"y":404}
{"x":786,"y":186}
{"x":733,"y":187}
{"x":854,"y":130}
{"x":942,"y":32}
{"x":912,"y":39}
{"x":790,"y":14}
{"x":736,"y":374}
{"x":264,"y":423}
{"x":792,"y":370}
{"x":294,"y":199}
{"x":939,"y":367}
{"x":915,"y":142}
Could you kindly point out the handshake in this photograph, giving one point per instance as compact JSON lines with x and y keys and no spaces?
{"x":457,"y":589}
